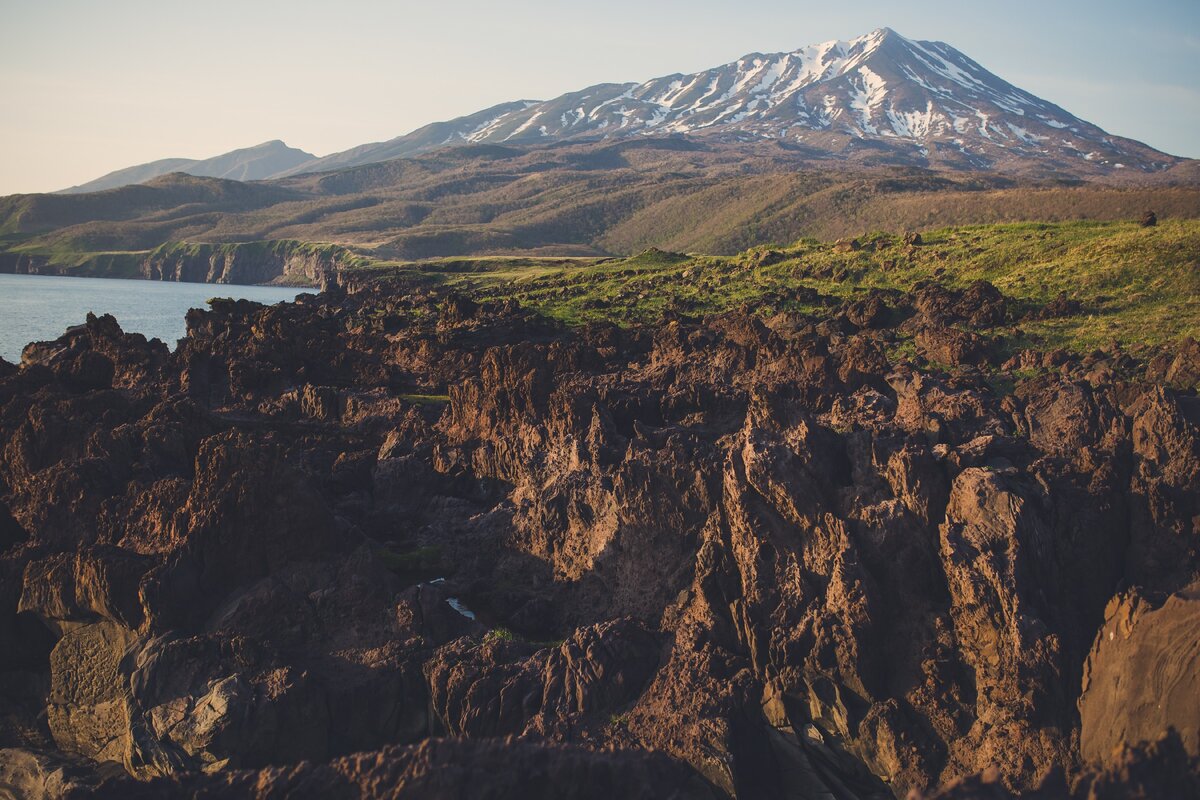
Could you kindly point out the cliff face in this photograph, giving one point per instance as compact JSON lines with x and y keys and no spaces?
{"x":21,"y":264}
{"x":270,"y":262}
{"x":283,"y":262}
{"x":730,"y":557}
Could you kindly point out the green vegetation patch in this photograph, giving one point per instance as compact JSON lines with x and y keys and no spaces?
{"x":1136,"y":285}
{"x":500,"y":635}
{"x":426,"y":399}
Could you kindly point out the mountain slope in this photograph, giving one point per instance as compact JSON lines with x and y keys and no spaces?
{"x":246,"y":164}
{"x":421,"y":140}
{"x":913,"y":102}
{"x":583,"y":198}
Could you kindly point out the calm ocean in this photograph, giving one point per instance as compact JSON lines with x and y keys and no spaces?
{"x":40,"y":307}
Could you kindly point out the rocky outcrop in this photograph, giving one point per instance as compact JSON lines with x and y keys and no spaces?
{"x":1142,"y":676}
{"x":1061,"y":306}
{"x":1180,"y":368}
{"x":981,"y":305}
{"x":504,"y":686}
{"x":738,"y":556}
{"x":1160,"y":768}
{"x":99,"y":355}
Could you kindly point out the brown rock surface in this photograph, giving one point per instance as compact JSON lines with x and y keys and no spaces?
{"x":1143,"y":676}
{"x":736,"y":556}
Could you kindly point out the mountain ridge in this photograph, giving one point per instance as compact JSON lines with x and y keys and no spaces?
{"x":260,"y":161}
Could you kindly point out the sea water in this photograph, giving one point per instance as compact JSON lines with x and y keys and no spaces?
{"x":36,"y":308}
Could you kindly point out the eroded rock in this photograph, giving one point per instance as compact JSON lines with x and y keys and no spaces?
{"x":770,"y":550}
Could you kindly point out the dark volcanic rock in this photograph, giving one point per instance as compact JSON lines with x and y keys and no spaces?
{"x":11,"y":532}
{"x":501,"y":686}
{"x":734,"y":556}
{"x":1060,"y":306}
{"x":951,"y":346}
{"x":981,"y":305}
{"x":868,"y":312}
{"x":438,"y":769}
{"x":1178,"y":367}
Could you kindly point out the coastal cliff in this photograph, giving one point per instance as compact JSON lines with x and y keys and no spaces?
{"x":285,"y":262}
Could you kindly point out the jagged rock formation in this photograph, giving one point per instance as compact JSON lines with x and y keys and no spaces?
{"x":496,"y":557}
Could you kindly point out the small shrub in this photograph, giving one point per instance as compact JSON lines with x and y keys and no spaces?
{"x":499,"y":635}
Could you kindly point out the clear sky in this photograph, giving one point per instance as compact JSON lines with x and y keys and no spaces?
{"x":89,"y":86}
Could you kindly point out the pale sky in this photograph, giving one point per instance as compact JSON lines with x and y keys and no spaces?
{"x":89,"y":86}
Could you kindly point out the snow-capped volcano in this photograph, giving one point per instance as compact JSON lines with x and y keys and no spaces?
{"x":914,"y":101}
{"x":880,"y":84}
